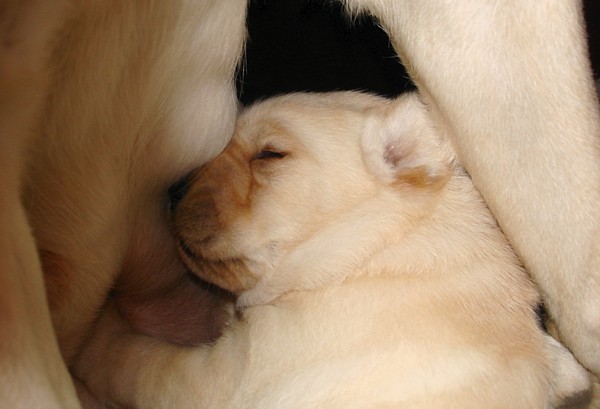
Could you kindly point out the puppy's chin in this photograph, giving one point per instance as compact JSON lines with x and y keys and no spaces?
{"x":230,"y":274}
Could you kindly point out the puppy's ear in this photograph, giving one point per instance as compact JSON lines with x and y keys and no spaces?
{"x":400,"y":145}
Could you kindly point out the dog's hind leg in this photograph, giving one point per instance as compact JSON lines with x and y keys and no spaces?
{"x":510,"y":83}
{"x":32,"y":372}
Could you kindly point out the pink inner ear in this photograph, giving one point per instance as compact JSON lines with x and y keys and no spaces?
{"x":393,"y":154}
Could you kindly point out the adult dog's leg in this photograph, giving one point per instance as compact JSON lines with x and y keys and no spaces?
{"x":32,"y":373}
{"x":510,"y":82}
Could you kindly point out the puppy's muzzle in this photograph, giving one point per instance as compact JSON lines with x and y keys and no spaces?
{"x":199,"y":234}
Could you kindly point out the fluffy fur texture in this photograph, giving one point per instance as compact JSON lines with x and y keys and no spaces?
{"x":520,"y":108}
{"x":32,"y":371}
{"x":365,"y":278}
{"x":105,"y":104}
{"x":129,"y":97}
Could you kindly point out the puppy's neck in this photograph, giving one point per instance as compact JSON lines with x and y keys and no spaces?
{"x":459,"y":234}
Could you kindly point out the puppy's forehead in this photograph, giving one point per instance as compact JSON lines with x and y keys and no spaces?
{"x":268,"y":132}
{"x":301,"y":116}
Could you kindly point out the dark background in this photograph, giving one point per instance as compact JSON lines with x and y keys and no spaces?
{"x":311,"y":45}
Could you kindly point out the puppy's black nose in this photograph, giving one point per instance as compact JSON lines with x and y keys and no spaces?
{"x":178,"y":190}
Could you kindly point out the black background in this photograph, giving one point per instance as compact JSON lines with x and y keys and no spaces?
{"x":311,"y":45}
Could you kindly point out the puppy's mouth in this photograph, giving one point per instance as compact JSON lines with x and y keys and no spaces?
{"x":230,"y":274}
{"x":193,"y":260}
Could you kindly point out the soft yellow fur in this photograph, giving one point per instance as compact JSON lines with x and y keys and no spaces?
{"x":376,"y":282}
{"x":511,"y":83}
{"x":144,"y":123}
{"x":32,"y":372}
{"x":105,"y":103}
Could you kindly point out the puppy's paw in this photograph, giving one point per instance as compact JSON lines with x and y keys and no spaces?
{"x":571,"y":384}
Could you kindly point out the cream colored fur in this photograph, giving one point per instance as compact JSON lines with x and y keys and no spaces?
{"x":112,"y":102}
{"x":104,"y":104}
{"x":136,"y":118}
{"x":519,"y":104}
{"x":370,"y":274}
{"x":32,"y":372}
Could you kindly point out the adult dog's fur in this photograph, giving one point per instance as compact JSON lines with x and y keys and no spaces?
{"x":104,"y":104}
{"x":126,"y":98}
{"x":369,"y":273}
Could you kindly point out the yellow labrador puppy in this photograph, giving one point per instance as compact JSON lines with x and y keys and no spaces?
{"x":104,"y":104}
{"x":368,"y":270}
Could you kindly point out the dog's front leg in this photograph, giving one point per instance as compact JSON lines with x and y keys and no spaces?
{"x":510,"y":83}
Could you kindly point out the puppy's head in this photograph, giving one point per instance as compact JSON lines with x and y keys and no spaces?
{"x":309,"y":187}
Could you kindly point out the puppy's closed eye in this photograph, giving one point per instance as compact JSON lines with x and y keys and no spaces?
{"x":267,"y":154}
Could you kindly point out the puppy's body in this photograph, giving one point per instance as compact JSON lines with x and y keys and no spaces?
{"x":369,"y":270}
